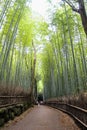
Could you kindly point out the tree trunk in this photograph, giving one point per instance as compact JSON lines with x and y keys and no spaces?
{"x":82,"y":12}
{"x":33,"y":74}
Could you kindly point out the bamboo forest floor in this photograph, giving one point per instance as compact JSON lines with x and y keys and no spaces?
{"x":42,"y":118}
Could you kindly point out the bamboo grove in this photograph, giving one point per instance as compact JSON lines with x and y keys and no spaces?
{"x":64,"y":64}
{"x":15,"y":47}
{"x":60,"y":64}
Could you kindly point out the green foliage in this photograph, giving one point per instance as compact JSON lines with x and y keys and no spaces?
{"x":61,"y":66}
{"x":64,"y":68}
{"x":16,"y":41}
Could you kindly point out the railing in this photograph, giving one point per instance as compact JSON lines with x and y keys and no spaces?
{"x":8,"y":100}
{"x":11,"y":106}
{"x":77,"y":113}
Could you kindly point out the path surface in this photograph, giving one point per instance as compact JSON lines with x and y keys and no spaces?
{"x":43,"y":118}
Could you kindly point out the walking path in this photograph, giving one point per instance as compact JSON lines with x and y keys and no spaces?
{"x":43,"y":118}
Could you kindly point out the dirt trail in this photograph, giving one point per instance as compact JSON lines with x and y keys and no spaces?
{"x":43,"y":118}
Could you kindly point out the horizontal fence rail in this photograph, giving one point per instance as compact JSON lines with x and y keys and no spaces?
{"x":7,"y":100}
{"x":77,"y":113}
{"x":12,"y":106}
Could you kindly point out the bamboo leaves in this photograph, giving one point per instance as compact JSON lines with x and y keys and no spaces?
{"x":68,"y":55}
{"x":15,"y":39}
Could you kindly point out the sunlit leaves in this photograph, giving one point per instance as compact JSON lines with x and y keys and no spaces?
{"x":67,"y":55}
{"x":25,"y":32}
{"x":15,"y":40}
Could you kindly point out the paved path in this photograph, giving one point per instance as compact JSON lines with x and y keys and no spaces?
{"x":43,"y":118}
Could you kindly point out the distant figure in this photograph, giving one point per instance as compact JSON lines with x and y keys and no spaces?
{"x":40,"y":98}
